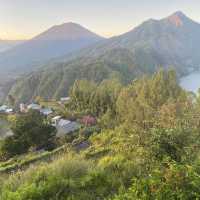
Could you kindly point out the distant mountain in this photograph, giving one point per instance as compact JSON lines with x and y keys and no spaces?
{"x":57,"y":41}
{"x":170,"y":42}
{"x":9,"y":44}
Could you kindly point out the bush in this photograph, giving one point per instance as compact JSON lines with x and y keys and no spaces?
{"x":69,"y":177}
{"x":171,"y":183}
{"x":30,"y":130}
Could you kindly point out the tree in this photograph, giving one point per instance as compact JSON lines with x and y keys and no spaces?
{"x":141,"y":101}
{"x":12,"y":146}
{"x":105,"y":97}
{"x":177,"y":181}
{"x":30,"y":130}
{"x":39,"y":99}
{"x":80,"y":95}
{"x":95,"y":99}
{"x":11,"y":100}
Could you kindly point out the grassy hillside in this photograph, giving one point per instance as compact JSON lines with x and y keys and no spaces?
{"x":147,"y":148}
{"x":55,"y":82}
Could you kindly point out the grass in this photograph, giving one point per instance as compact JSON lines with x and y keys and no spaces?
{"x":23,"y":161}
{"x":66,"y":171}
{"x":68,"y":177}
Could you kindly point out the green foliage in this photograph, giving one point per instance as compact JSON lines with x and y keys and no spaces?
{"x":172,"y":182}
{"x":80,"y":95}
{"x":30,"y":130}
{"x":56,"y":82}
{"x":142,"y":99}
{"x":177,"y":144}
{"x":66,"y":178}
{"x":4,"y":127}
{"x":23,"y":161}
{"x":145,"y":145}
{"x":97,"y":100}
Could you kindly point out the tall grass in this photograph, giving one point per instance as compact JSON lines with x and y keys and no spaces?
{"x":68,"y":177}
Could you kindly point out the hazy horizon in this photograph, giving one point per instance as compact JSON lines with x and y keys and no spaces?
{"x":24,"y":19}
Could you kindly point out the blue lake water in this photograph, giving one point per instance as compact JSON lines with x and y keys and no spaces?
{"x":191,"y":82}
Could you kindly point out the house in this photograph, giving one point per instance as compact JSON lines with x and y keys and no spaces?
{"x":46,"y":111}
{"x":34,"y":106}
{"x":65,"y":127}
{"x":64,"y":99}
{"x":88,"y":120}
{"x":55,"y":120}
{"x":6,"y":109}
{"x":9,"y":111}
{"x":23,"y":108}
{"x":3,"y":108}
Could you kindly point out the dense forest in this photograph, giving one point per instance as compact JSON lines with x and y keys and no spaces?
{"x":54,"y":81}
{"x":144,"y":146}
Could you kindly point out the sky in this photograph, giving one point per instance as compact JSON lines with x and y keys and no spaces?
{"x":24,"y":19}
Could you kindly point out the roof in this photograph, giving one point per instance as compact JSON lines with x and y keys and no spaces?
{"x":46,"y":111}
{"x":65,"y":98}
{"x":9,"y":110}
{"x":3,"y":108}
{"x":34,"y":106}
{"x":66,"y":126}
{"x":63,"y":122}
{"x":56,"y":118}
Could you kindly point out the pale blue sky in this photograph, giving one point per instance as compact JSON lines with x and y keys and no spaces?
{"x":26,"y":18}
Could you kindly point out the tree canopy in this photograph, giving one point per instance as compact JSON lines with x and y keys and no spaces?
{"x":30,"y":130}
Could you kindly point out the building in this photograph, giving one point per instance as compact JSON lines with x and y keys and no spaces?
{"x":33,"y":106}
{"x":64,"y":99}
{"x":65,"y":127}
{"x":6,"y":109}
{"x":46,"y":111}
{"x":55,"y":120}
{"x":23,"y":108}
{"x":3,"y":108}
{"x":9,"y":111}
{"x":88,"y":121}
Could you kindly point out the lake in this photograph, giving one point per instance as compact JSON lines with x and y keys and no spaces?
{"x":191,"y":82}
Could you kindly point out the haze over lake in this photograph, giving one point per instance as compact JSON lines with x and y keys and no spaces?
{"x":191,"y":82}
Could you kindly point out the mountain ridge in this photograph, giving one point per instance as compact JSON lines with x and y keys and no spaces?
{"x":144,"y":49}
{"x":9,"y":44}
{"x":69,"y":30}
{"x":56,"y":41}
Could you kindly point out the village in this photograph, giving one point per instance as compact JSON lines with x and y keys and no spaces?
{"x":63,"y":125}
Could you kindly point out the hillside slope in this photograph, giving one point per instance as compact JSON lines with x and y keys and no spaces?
{"x":169,"y":42}
{"x":9,"y":44}
{"x":56,"y":41}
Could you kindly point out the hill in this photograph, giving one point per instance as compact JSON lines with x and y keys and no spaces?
{"x":169,"y":42}
{"x":56,"y":41}
{"x":8,"y":44}
{"x":144,"y":145}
